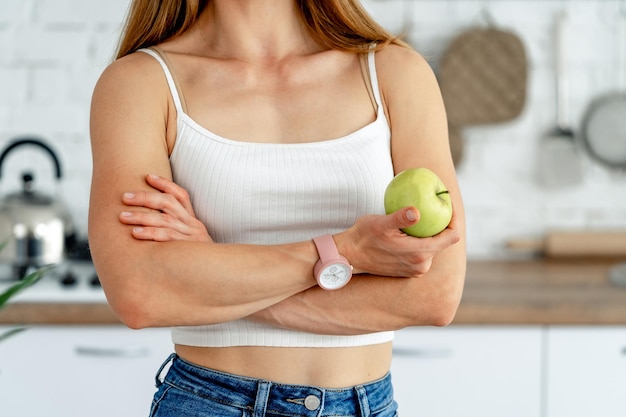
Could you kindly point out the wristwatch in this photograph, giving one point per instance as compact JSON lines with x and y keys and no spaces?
{"x":332,"y":271}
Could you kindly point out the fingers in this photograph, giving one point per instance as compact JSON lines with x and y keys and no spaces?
{"x":404,"y":217}
{"x":169,"y":187}
{"x":450,"y":235}
{"x":162,"y":227}
{"x":156,"y":234}
{"x":162,"y":202}
{"x":409,"y":216}
{"x":377,"y":245}
{"x":427,"y":248}
{"x":153,"y":219}
{"x":170,"y":215}
{"x":172,"y":198}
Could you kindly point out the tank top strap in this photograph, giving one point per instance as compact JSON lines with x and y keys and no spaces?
{"x":176,"y":96}
{"x":371,"y":65}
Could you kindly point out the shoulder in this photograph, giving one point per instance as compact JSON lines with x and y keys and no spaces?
{"x":394,"y":54}
{"x":402,"y":70}
{"x":131,"y":88}
{"x":135,"y":75}
{"x":131,"y":94}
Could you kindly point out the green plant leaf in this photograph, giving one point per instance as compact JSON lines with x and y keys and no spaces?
{"x":24,"y":283}
{"x":4,"y":336}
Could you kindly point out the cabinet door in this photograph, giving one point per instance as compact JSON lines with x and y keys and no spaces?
{"x":586,"y":371}
{"x":80,"y":371}
{"x":468,"y":371}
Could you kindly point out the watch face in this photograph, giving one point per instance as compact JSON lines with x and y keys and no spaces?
{"x":335,"y":276}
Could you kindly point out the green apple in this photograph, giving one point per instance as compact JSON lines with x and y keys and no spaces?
{"x":423,"y":189}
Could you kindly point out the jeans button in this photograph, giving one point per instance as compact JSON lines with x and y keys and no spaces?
{"x":312,"y":402}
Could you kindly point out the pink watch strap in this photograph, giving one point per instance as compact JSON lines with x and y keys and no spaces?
{"x":326,"y":248}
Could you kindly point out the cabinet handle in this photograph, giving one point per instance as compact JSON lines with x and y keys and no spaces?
{"x":421,"y":353}
{"x":123,"y":352}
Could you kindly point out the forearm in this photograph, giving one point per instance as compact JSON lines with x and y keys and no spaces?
{"x":372,"y":303}
{"x":187,"y":283}
{"x":183,"y":283}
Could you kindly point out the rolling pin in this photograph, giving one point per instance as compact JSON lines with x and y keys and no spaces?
{"x":598,"y":244}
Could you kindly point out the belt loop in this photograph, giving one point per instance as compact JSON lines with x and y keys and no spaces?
{"x":262,"y":395}
{"x":160,"y":375}
{"x":364,"y":403}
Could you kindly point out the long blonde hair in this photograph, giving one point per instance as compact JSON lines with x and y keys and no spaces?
{"x":338,"y":24}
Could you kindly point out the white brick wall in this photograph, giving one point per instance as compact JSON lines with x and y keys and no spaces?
{"x":52,"y":51}
{"x":51,"y":54}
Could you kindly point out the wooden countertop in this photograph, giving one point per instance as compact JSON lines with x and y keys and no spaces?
{"x":496,"y":292}
{"x":541,"y":292}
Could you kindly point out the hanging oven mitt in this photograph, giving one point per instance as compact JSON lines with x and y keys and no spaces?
{"x":483,"y":77}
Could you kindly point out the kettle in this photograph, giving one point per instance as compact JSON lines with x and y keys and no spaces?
{"x":36,"y":229}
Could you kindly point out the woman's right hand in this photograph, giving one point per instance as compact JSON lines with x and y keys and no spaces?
{"x":376,"y":245}
{"x":170,"y":216}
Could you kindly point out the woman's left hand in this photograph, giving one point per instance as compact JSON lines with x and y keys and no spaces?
{"x":171,"y":215}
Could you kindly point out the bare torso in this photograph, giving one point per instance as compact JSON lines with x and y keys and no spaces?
{"x":322,"y":367}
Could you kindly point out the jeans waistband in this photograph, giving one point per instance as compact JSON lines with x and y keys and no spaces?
{"x":276,"y":398}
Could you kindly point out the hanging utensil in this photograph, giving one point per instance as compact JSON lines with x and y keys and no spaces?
{"x":560,"y":163}
{"x":603,"y":132}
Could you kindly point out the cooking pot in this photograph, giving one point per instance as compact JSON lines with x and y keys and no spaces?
{"x":36,"y":228}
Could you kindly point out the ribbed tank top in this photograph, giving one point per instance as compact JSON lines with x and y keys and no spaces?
{"x":271,"y":193}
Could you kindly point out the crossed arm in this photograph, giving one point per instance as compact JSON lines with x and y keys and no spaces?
{"x":159,"y":266}
{"x":427,"y":296}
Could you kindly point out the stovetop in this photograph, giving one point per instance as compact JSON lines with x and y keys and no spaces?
{"x":72,"y":281}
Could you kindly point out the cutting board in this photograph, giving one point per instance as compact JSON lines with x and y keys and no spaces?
{"x":483,"y":77}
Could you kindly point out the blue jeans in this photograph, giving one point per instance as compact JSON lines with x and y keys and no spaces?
{"x":191,"y":390}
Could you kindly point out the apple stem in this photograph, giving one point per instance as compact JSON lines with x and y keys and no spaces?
{"x":443,"y":192}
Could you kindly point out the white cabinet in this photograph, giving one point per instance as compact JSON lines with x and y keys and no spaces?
{"x":468,"y":371}
{"x":80,"y":371}
{"x":586,"y":371}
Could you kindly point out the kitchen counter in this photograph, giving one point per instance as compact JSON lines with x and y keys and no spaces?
{"x":541,"y":292}
{"x":496,"y":292}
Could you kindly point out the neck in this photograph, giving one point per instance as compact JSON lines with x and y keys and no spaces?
{"x":259,"y":30}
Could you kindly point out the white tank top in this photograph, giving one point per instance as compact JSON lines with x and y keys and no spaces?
{"x":264,"y":193}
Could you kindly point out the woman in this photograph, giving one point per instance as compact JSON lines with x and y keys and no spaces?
{"x":251,"y":137}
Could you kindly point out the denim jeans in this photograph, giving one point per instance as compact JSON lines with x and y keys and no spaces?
{"x":191,"y":390}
